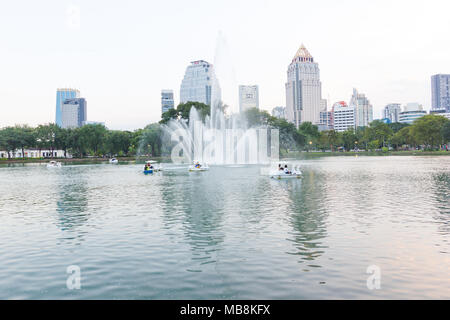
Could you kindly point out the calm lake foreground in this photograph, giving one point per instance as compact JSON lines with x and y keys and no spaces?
{"x":230,"y":233}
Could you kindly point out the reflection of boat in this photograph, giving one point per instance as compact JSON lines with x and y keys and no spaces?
{"x":113,"y":161}
{"x":152,"y":166}
{"x":292,"y":172}
{"x":198,"y":166}
{"x":54,"y":164}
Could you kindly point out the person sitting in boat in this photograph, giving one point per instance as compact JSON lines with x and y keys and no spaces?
{"x":280,"y":167}
{"x":286,"y":170}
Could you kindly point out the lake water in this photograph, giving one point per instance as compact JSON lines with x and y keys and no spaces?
{"x":230,"y":233}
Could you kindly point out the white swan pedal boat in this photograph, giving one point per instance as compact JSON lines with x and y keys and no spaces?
{"x":292,"y":172}
{"x":113,"y":161}
{"x":198,"y":166}
{"x":54,"y":164}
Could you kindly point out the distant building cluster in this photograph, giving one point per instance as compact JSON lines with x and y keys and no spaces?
{"x":304,"y":102}
{"x":71,"y":109}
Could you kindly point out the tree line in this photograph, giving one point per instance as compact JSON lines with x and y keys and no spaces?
{"x":429,"y":132}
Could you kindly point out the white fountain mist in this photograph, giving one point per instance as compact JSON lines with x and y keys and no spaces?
{"x":221,"y":138}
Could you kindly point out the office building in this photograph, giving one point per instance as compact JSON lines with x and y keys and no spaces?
{"x":200,"y":84}
{"x":304,"y":90}
{"x":392,"y":112}
{"x":411,"y":112}
{"x":73,"y":113}
{"x":167,"y":101}
{"x":344,"y":116}
{"x":61,"y":96}
{"x":440,"y":92}
{"x":363,"y":109}
{"x":248,"y":98}
{"x":440,"y":112}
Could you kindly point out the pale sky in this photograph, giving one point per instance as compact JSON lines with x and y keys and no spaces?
{"x":120,"y":54}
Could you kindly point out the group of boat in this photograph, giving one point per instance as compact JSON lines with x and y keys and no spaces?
{"x":284,"y":170}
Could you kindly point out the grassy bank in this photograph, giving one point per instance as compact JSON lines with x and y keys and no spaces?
{"x":317,"y":154}
{"x":141,"y":159}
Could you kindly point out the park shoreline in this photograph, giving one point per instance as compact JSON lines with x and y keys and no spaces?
{"x":292,"y":155}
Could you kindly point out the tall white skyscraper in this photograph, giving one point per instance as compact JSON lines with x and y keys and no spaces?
{"x":303,"y":89}
{"x":199,"y":83}
{"x":248,"y":97}
{"x":363,"y":109}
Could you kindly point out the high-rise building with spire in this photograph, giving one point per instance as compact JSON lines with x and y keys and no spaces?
{"x":304,"y":90}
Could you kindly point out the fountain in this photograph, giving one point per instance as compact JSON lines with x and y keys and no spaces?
{"x":221,"y":138}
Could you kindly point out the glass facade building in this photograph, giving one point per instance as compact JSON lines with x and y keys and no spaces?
{"x":61,"y":96}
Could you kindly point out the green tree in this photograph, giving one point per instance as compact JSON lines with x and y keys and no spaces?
{"x":256,"y":117}
{"x":427,"y":130}
{"x":445,"y":132}
{"x":118,"y":142}
{"x":397,"y":126}
{"x":150,"y":141}
{"x":183,"y":110}
{"x":93,"y":137}
{"x":310,"y":132}
{"x":25,"y":137}
{"x":402,"y":137}
{"x":348,"y":139}
{"x":378,"y":131}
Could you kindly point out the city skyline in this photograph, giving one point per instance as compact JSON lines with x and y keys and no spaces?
{"x":123,"y":75}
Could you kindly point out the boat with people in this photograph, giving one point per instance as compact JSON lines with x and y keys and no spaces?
{"x":286,"y":171}
{"x":151,"y":167}
{"x":198,"y":166}
{"x":54,"y":164}
{"x":113,"y":161}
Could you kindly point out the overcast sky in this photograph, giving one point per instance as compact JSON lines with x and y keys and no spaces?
{"x":120,"y":54}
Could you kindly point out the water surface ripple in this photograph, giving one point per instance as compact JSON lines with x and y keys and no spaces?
{"x":230,"y":233}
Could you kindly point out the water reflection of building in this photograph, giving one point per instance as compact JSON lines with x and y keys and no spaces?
{"x":441,"y":189}
{"x":199,"y":215}
{"x":308,"y":217}
{"x":72,"y":204}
